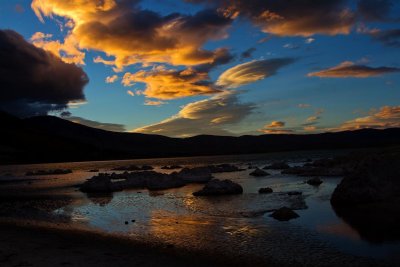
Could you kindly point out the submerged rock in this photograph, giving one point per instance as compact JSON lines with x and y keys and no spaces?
{"x":258,"y":172}
{"x":217,"y":187}
{"x":195,"y":175}
{"x":277,"y":166}
{"x":284,"y":214}
{"x":49,"y":172}
{"x":265,"y":190}
{"x":314,"y":181}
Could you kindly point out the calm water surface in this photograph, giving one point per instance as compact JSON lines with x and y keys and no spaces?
{"x":240,"y":224}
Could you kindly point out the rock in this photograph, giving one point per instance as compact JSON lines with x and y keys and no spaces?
{"x":314,"y":181}
{"x":195,"y":175}
{"x":224,"y":168}
{"x":144,"y":179}
{"x":375,"y":179}
{"x":94,"y":170}
{"x":49,"y":172}
{"x":284,"y":214}
{"x":277,"y":166}
{"x":294,"y":193}
{"x":258,"y":173}
{"x":172,"y":167}
{"x":126,"y":222}
{"x":265,"y":190}
{"x":217,"y":187}
{"x":159,"y":181}
{"x":99,"y":184}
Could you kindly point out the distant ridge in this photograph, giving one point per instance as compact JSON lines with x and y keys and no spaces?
{"x":52,"y":139}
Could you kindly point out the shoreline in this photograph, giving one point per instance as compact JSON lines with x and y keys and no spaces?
{"x":29,"y":243}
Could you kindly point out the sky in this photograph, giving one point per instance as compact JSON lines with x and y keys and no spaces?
{"x":187,"y":67}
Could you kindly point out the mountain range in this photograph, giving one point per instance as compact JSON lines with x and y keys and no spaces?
{"x":53,"y":139}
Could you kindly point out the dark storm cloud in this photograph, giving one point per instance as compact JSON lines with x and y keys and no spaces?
{"x":33,"y":81}
{"x":375,"y":10}
{"x":292,"y":18}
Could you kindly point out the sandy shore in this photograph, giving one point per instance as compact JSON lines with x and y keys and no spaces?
{"x":43,"y":245}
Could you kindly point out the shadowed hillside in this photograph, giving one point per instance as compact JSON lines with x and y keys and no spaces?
{"x":51,"y":139}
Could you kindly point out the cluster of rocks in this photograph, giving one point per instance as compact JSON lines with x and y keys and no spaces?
{"x":106,"y":183}
{"x":219,"y":187}
{"x":339,"y":166}
{"x":316,"y":181}
{"x":49,"y":172}
{"x":265,"y":190}
{"x":134,"y":168}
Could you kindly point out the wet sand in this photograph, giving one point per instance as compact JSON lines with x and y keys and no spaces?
{"x":25,"y":244}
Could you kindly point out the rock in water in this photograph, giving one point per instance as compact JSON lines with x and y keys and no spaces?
{"x":217,"y":187}
{"x":375,"y":179}
{"x":284,"y":214}
{"x":258,"y":173}
{"x":265,"y":190}
{"x":314,"y":181}
{"x":99,"y":184}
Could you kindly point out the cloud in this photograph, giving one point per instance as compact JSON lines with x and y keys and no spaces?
{"x":293,"y":18}
{"x":275,"y":124}
{"x":171,"y":84}
{"x":66,"y":50}
{"x":131,"y":35}
{"x":252,"y":71}
{"x":385,"y":117}
{"x":387,"y":37}
{"x":309,"y":40}
{"x":154,"y":103}
{"x":375,"y":10}
{"x":129,"y":92}
{"x":348,"y":69}
{"x":209,"y":116}
{"x":95,"y":124}
{"x":112,"y":79}
{"x":313,"y":118}
{"x":247,"y":53}
{"x":277,"y":131}
{"x":33,"y":81}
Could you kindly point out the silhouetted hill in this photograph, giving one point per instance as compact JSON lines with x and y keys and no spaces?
{"x":52,"y":139}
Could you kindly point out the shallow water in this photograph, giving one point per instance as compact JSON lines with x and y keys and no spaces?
{"x":237,"y":224}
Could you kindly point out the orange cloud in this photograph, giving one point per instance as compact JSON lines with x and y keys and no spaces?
{"x":67,"y":50}
{"x":385,"y":117}
{"x":112,"y":79}
{"x":130,"y":35}
{"x":275,"y":124}
{"x":348,"y":69}
{"x":252,"y":71}
{"x":154,"y":103}
{"x":209,"y":116}
{"x":171,"y":84}
{"x":276,"y":131}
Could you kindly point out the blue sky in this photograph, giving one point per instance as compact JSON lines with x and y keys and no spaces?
{"x":327,"y":101}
